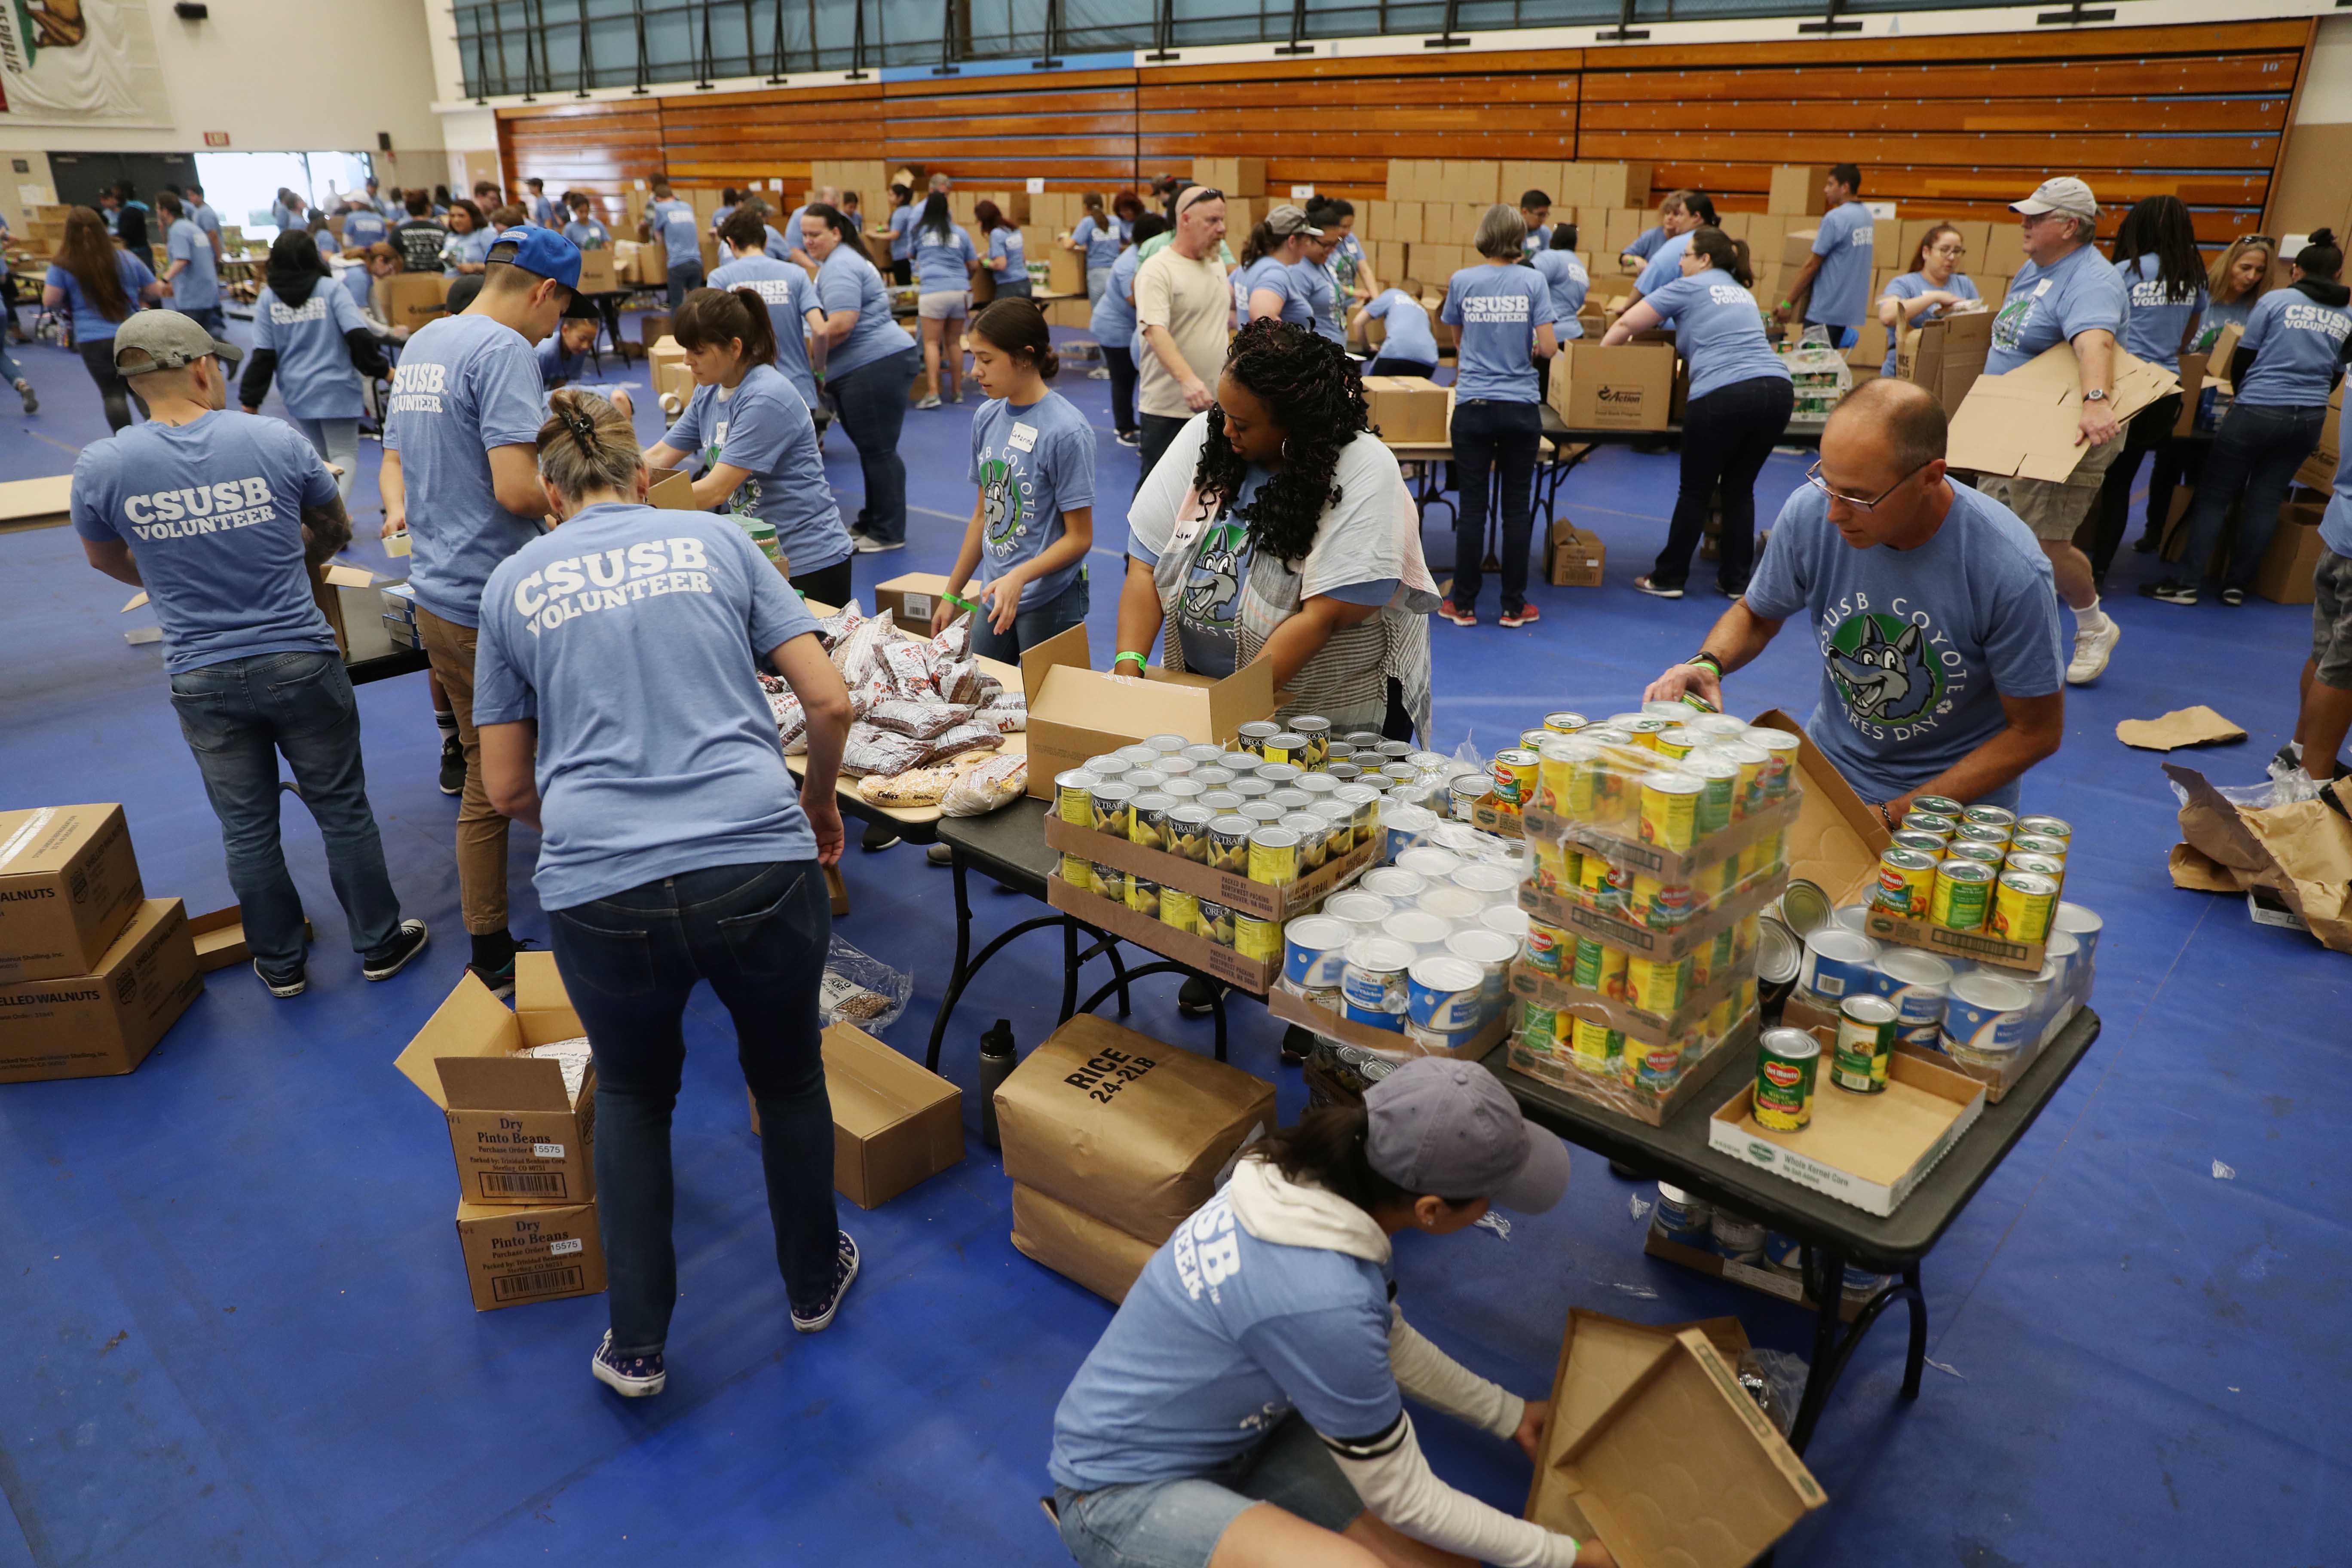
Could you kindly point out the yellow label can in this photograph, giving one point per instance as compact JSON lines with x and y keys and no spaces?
{"x":1669,"y":816}
{"x":1180,"y":910}
{"x":2022,"y":905}
{"x":1598,"y":1049}
{"x":1656,"y":984}
{"x":1273,"y":858}
{"x":1077,"y":870}
{"x":1255,"y":939}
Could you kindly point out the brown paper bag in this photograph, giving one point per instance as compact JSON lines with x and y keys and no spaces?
{"x":2302,"y":852}
{"x":2198,"y":726}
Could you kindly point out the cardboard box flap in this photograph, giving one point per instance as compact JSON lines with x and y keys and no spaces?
{"x":2023,"y":422}
{"x":1602,"y":1357}
{"x":540,"y":1003}
{"x":471,"y":1023}
{"x":44,"y":839}
{"x":1069,"y":647}
{"x":1837,"y":839}
{"x":500,"y":1082}
{"x":1240,"y":697}
{"x":874,"y":1088}
{"x":673,"y":491}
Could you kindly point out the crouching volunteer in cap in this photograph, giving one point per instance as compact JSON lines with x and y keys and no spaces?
{"x":2067,"y":293}
{"x":1246,"y":1406}
{"x":220,"y":517}
{"x":1942,"y":670}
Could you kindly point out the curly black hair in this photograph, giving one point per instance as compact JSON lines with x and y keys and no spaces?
{"x":1314,"y":391}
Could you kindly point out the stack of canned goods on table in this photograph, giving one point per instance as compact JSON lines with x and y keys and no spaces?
{"x":1693,"y":1221}
{"x":1974,"y":869}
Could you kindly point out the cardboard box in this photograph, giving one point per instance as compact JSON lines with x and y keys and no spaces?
{"x":1945,"y":356}
{"x":1076,"y":1246}
{"x":1796,"y":190}
{"x":1292,"y":1008}
{"x":910,"y":598}
{"x":641,"y":265}
{"x":1128,"y":1130}
{"x":1409,"y":410}
{"x":518,"y":1139}
{"x":2023,"y":423}
{"x":1077,"y":711}
{"x":597,"y":273}
{"x":1628,"y":388}
{"x":219,"y":938}
{"x":2318,"y":470}
{"x":517,"y":1255}
{"x":1065,"y":271}
{"x":1518,"y":179}
{"x":28,"y":504}
{"x":1262,"y":900}
{"x":2285,"y":574}
{"x":1871,"y":1150}
{"x":670,"y":375}
{"x":68,"y":884}
{"x":1404,"y":223}
{"x":410,"y":299}
{"x":1579,"y":558}
{"x":1234,"y":177}
{"x":104,"y":1023}
{"x":1761,"y":1277}
{"x":1616,"y":184}
{"x":895,"y":1124}
{"x":1655,"y":1449}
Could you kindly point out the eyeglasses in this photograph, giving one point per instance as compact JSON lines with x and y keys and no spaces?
{"x":1813,"y":478}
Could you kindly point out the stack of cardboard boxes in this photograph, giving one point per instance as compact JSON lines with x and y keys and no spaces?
{"x":1418,"y":233}
{"x":93,"y":972}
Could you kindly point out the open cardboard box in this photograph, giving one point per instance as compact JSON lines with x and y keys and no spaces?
{"x":895,"y":1124}
{"x":518,"y":1138}
{"x":2022,"y":423}
{"x":68,"y":884}
{"x":1149,"y":932}
{"x":1292,"y":1008}
{"x":1578,"y":556}
{"x":1265,"y":901}
{"x":1077,"y":711}
{"x":1945,"y":354}
{"x":1628,"y":386}
{"x":1409,"y":410}
{"x":220,"y":938}
{"x":1867,"y":1149}
{"x":1655,"y":1449}
{"x":1559,"y":1069}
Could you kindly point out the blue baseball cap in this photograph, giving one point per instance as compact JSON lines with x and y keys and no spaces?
{"x":540,"y":250}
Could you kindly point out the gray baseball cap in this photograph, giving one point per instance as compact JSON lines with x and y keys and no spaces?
{"x":165,"y":340}
{"x":1451,"y":1128}
{"x":1287,"y":219}
{"x":2059,"y":193}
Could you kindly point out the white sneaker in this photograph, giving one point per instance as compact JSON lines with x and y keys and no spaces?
{"x":867,"y":544}
{"x":2092,"y":650}
{"x":925,"y":403}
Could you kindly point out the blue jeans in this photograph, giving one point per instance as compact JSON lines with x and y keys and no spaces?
{"x":2257,"y":449}
{"x":1840,"y":337}
{"x":873,"y":403}
{"x":1178,"y":1524}
{"x":238,"y":716}
{"x":1055,"y":616}
{"x":1494,"y":436}
{"x":212,"y":318}
{"x":759,"y":934}
{"x":684,"y":277}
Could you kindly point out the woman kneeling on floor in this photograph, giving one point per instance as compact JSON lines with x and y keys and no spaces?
{"x":1246,"y":1406}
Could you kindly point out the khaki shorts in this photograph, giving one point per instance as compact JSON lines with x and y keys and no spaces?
{"x":2055,"y":508}
{"x":945,"y":305}
{"x":2331,"y":620}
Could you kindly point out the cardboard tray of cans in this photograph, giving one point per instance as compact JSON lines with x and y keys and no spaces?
{"x":1879,"y":1147}
{"x":1558,"y":1070}
{"x":1149,"y":931}
{"x":1294,"y":1008}
{"x":1665,"y":865}
{"x":1883,"y":924}
{"x":1501,"y":819}
{"x":1265,"y":900}
{"x":1532,"y":985}
{"x":1719,"y":915}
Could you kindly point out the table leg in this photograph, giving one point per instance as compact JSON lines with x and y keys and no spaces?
{"x":1824,"y":1280}
{"x":1107,"y":947}
{"x":956,"y":974}
{"x":1915,"y":1359}
{"x":1069,"y":967}
{"x":1217,"y":1010}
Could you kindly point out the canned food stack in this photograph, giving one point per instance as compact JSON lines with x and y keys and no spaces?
{"x":1687,"y":1221}
{"x":1974,"y":869}
{"x":1656,"y":822}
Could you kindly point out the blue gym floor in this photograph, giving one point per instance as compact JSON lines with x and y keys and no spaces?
{"x":238,"y":1331}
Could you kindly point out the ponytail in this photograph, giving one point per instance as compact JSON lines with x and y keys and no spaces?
{"x":1262,"y":241}
{"x":2322,"y":257}
{"x":712,"y":318}
{"x":1723,"y":251}
{"x":587,"y":445}
{"x":1018,"y":327}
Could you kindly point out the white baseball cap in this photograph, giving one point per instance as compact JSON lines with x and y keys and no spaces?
{"x":2060,"y":193}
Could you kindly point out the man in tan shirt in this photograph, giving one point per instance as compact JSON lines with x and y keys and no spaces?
{"x":1185,"y":310}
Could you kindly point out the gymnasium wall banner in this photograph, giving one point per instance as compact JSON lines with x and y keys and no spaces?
{"x":79,"y":62}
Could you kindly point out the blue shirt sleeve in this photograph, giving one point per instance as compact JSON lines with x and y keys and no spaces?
{"x":837,"y":289}
{"x":92,"y":499}
{"x":758,"y":431}
{"x":2258,"y":323}
{"x":265,"y":333}
{"x":1671,"y":299}
{"x":508,"y":395}
{"x":1139,"y":551}
{"x":1777,"y":590}
{"x":2023,"y":646}
{"x":1375,"y":592}
{"x":346,"y":313}
{"x":686,"y":434}
{"x":777,"y":616}
{"x":1334,"y":1365}
{"x":1451,"y":311}
{"x":1074,"y":468}
{"x":1539,"y":310}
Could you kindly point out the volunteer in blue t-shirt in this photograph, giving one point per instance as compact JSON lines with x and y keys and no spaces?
{"x":221,"y":517}
{"x":1645,"y":245}
{"x":2297,"y":342}
{"x":310,"y":337}
{"x":468,"y":247}
{"x":1684,"y":218}
{"x":1312,"y":273}
{"x":1032,"y":459}
{"x":1266,"y":280}
{"x":2235,"y":280}
{"x":2326,"y":707}
{"x":1566,"y":277}
{"x":1502,"y":312}
{"x":792,"y":311}
{"x":1113,"y":327}
{"x":1407,"y":345}
{"x":363,"y":226}
{"x":585,"y":230}
{"x":752,"y":435}
{"x":2067,"y":293}
{"x":1344,"y":262}
{"x":1934,"y":285}
{"x":1834,"y":283}
{"x":542,"y":210}
{"x":191,"y":272}
{"x":2157,"y":259}
{"x":206,"y":218}
{"x":97,"y":287}
{"x":1096,"y":239}
{"x":1008,"y":253}
{"x":1534,"y":212}
{"x":671,"y":224}
{"x":1247,"y":1403}
{"x":904,"y":210}
{"x":1942,"y":668}
{"x":945,"y":263}
{"x":461,"y":474}
{"x":623,"y":719}
{"x":1740,"y":399}
{"x":870,"y":365}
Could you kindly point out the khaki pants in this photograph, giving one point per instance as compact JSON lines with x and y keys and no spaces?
{"x":481,"y":831}
{"x":2055,"y":508}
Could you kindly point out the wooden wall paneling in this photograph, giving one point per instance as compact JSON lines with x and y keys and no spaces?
{"x":770,"y":135}
{"x":599,"y":147}
{"x":1074,"y":129}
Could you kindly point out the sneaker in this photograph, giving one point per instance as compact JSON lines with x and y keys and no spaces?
{"x":631,"y":1377}
{"x":2286,"y":760}
{"x":1657,"y":590}
{"x":2233,"y":596}
{"x":845,"y":1269}
{"x":879,"y":837}
{"x":939,"y":854}
{"x":2171,"y":591}
{"x":500,"y":980}
{"x":1129,"y":437}
{"x":1099,"y":373}
{"x":452,"y":767}
{"x":2092,"y":650}
{"x":2146,"y":542}
{"x":1196,"y":998}
{"x":405,"y":945}
{"x":867,"y":544}
{"x":1525,"y":616}
{"x":1296,"y":1046}
{"x":1467,"y":616}
{"x":25,"y":391}
{"x":285,"y":985}
{"x":926,"y":403}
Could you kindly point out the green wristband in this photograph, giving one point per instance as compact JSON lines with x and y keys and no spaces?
{"x":1123,"y":658}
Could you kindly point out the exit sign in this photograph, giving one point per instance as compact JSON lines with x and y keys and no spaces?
{"x":216,"y":138}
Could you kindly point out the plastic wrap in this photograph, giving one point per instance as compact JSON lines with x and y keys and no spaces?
{"x":909,"y":665}
{"x":995,"y":783}
{"x":860,"y":990}
{"x":1009,"y":712}
{"x":965,"y":737}
{"x":953,"y":643}
{"x":1820,"y":374}
{"x":959,"y":681}
{"x":923,"y":721}
{"x":859,"y":655}
{"x":868,"y":694}
{"x":837,"y":625}
{"x":872,"y":750}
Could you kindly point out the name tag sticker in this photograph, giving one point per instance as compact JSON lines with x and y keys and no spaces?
{"x":2042,"y":288}
{"x":1023,"y":438}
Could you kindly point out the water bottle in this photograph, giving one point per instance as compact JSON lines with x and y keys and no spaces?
{"x":996,"y":1063}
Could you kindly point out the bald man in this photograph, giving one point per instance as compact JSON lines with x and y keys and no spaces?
{"x":1943,"y":666}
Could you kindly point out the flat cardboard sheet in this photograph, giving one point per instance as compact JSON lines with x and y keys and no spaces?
{"x":2197,"y":726}
{"x":2023,"y":423}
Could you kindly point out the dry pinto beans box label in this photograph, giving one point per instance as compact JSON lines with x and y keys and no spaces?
{"x":515,"y":1256}
{"x":520,"y":1135}
{"x":1076,"y":711}
{"x":68,"y":884}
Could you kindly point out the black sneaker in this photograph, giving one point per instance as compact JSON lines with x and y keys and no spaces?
{"x":2171,"y":591}
{"x":1196,"y":998}
{"x":452,"y":767}
{"x":877,"y":837}
{"x":845,"y":1269}
{"x":405,"y":945}
{"x":631,"y":1377}
{"x":32,"y":399}
{"x":2285,"y":760}
{"x":2233,"y":596}
{"x":1657,"y":590}
{"x":283,"y":985}
{"x":2146,"y":542}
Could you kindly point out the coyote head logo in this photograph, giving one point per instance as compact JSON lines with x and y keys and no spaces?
{"x":1883,"y":680}
{"x":1214,"y":585}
